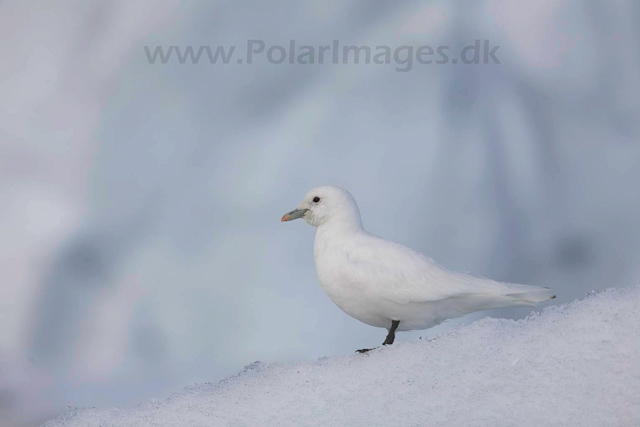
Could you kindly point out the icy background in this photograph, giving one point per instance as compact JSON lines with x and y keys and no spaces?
{"x":571,"y":365}
{"x":140,"y":242}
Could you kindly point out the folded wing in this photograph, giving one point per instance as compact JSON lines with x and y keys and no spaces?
{"x":402,"y":275}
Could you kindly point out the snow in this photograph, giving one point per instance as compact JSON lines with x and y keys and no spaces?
{"x":574,"y":364}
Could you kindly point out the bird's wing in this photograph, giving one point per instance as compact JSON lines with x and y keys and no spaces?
{"x":400,"y":274}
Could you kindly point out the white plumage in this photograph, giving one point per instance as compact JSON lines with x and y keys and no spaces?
{"x":377,"y":281}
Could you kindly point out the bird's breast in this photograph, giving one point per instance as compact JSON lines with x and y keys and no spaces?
{"x":333,"y":267}
{"x":331,"y":260}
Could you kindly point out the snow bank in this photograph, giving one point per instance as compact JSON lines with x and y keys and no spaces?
{"x":576,"y":364}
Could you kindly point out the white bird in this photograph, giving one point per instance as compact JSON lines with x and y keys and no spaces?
{"x":389,"y":285}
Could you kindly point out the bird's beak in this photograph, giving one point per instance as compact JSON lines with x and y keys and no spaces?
{"x":294,"y":214}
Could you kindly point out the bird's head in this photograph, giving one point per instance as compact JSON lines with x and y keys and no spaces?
{"x":327,"y":205}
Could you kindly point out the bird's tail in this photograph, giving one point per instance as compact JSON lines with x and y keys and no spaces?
{"x":488,"y":294}
{"x":528,"y":295}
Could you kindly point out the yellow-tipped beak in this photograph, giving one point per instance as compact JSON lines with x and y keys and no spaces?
{"x":294,"y":214}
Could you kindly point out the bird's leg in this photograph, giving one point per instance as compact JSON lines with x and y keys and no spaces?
{"x":391,"y":336}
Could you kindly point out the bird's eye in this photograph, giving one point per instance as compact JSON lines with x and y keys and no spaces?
{"x":316,"y":199}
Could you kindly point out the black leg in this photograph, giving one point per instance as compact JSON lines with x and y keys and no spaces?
{"x":392,"y":333}
{"x":391,"y":336}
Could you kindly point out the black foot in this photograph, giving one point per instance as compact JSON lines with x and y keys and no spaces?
{"x":392,"y":333}
{"x":391,"y":336}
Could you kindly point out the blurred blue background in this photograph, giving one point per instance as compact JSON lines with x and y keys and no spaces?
{"x":141,"y":244}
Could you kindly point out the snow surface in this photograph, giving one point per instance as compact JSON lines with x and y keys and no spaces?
{"x":575,"y":364}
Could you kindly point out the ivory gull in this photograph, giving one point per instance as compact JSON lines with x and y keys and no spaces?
{"x":389,"y":285}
